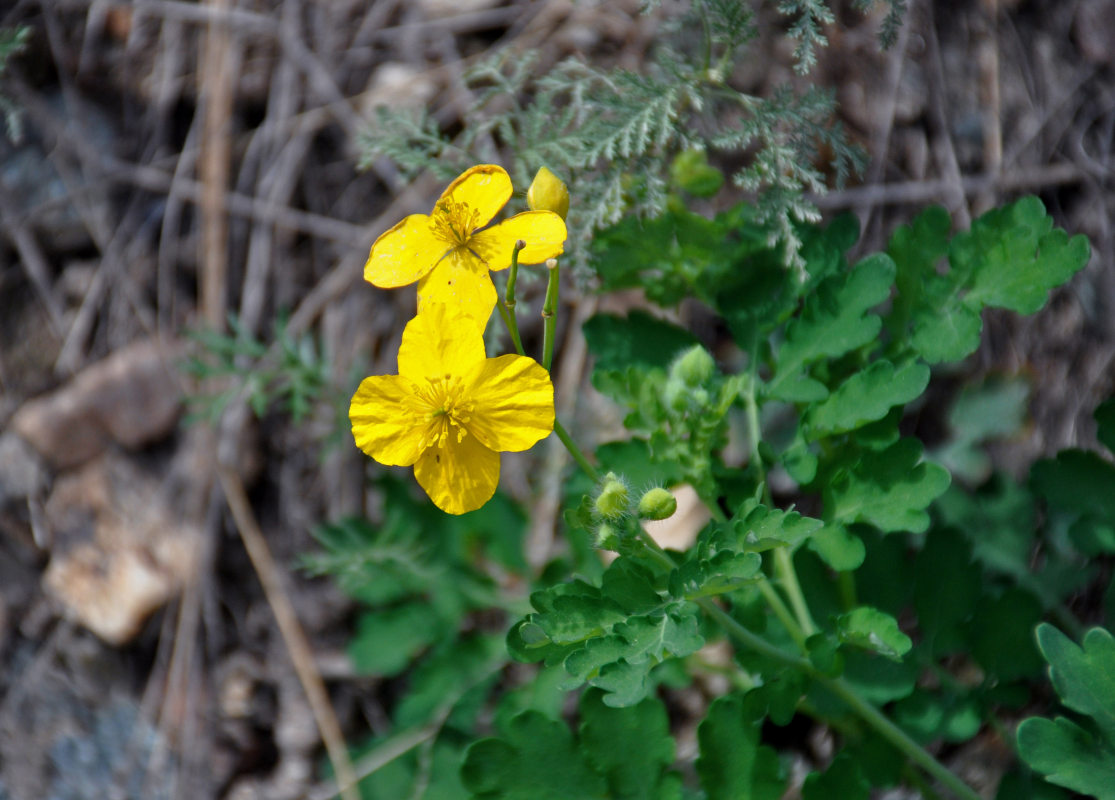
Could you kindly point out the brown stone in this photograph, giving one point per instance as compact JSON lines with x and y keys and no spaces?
{"x":122,"y":551}
{"x":131,"y":398}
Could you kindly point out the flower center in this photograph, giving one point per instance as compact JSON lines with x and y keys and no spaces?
{"x":454,"y":223}
{"x":449,"y":410}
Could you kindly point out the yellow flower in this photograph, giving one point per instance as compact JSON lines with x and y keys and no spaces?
{"x":450,"y":411}
{"x":547,"y":192}
{"x":450,"y":251}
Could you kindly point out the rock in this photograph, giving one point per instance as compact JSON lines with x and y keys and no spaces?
{"x":131,"y":398}
{"x":397,"y":85}
{"x":122,"y":550}
{"x":22,"y":472}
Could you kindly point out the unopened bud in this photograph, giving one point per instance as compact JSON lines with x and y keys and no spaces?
{"x":693,"y":367}
{"x":612,"y":500}
{"x":607,"y":537}
{"x":675,"y":395}
{"x":548,"y":193}
{"x":657,"y":503}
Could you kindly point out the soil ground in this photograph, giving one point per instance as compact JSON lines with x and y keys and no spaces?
{"x":182,"y":160}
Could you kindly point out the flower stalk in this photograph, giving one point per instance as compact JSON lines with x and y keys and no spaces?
{"x":507,"y":305}
{"x":549,"y":314}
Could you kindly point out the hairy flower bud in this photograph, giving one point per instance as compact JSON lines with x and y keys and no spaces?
{"x":548,"y":193}
{"x":693,"y":367}
{"x":612,"y":501}
{"x":607,"y":537}
{"x":657,"y":503}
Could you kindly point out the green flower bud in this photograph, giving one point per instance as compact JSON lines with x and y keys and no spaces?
{"x":607,"y":537}
{"x":657,"y":503}
{"x":612,"y":501}
{"x":548,"y":193}
{"x":694,"y":367}
{"x":675,"y":395}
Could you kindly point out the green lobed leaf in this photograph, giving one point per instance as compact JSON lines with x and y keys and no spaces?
{"x":993,"y":408}
{"x":843,"y":779}
{"x":929,"y":716}
{"x":732,"y":764}
{"x":631,"y":747}
{"x":758,"y":528}
{"x":833,"y":322}
{"x":1010,"y":258}
{"x":889,"y":489}
{"x":1015,"y":257}
{"x":916,"y":250}
{"x":867,"y":396}
{"x":1077,"y":480}
{"x":871,"y":629}
{"x":637,"y":339}
{"x":1068,"y":756}
{"x":1000,"y":635}
{"x":1084,"y":676}
{"x":612,"y":637}
{"x":1105,"y":424}
{"x":439,"y":680}
{"x":388,"y":639}
{"x":838,"y":547}
{"x":538,"y":760}
{"x":948,"y":586}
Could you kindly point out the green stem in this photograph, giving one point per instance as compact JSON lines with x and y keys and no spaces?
{"x":788,"y":580}
{"x":783,"y":613}
{"x":549,"y":314}
{"x":507,"y":306}
{"x":846,"y":586}
{"x":508,"y":317}
{"x":864,"y":710}
{"x":575,"y":451}
{"x":783,"y":564}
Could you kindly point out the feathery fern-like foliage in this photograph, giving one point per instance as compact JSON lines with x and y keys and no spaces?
{"x":612,"y":134}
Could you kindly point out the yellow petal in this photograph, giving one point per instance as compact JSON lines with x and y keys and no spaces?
{"x":460,"y":282}
{"x":543,"y":231}
{"x":438,"y":342}
{"x":513,"y":403}
{"x":458,"y":476}
{"x":403,"y":254}
{"x":385,"y":420}
{"x":486,"y":188}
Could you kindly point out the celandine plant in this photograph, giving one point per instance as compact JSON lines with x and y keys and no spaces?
{"x":898,"y":612}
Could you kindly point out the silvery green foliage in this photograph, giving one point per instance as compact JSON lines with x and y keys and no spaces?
{"x":612,"y":134}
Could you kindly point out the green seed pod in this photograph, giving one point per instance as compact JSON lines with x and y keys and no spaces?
{"x":548,"y":193}
{"x":613,"y":500}
{"x":607,"y":537}
{"x":693,"y":367}
{"x":657,"y":503}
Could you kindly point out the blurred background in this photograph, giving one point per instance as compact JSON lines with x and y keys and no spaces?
{"x":188,"y":192}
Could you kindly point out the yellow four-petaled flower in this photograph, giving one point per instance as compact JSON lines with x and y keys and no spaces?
{"x":450,"y":251}
{"x":450,"y":410}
